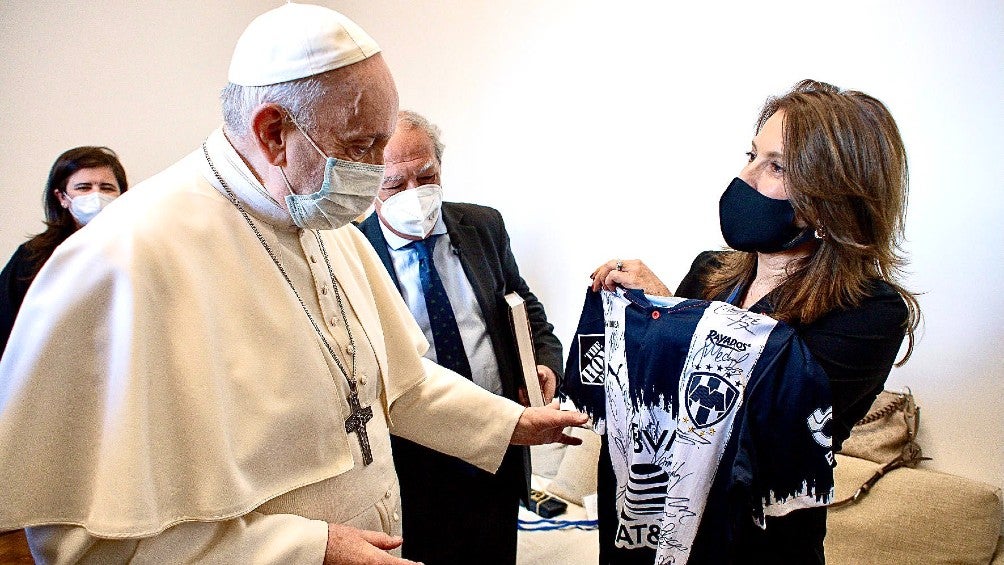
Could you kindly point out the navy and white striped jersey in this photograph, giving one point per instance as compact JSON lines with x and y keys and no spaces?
{"x":713,"y":415}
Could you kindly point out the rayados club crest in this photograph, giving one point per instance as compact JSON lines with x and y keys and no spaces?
{"x":710,"y":398}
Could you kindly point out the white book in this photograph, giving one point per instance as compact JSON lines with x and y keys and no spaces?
{"x":524,"y":343}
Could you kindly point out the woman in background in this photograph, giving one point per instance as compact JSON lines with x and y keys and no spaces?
{"x":82,"y":181}
{"x":814,"y":222}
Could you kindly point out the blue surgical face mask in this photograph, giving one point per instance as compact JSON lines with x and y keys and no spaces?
{"x":347,"y":191}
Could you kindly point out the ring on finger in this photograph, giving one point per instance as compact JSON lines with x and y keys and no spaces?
{"x":620,"y":265}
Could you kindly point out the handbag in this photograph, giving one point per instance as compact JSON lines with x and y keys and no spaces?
{"x":886,"y":435}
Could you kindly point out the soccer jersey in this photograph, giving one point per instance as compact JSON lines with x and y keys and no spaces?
{"x":712,"y":415}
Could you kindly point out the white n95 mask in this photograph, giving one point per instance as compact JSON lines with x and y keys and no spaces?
{"x":86,"y":206}
{"x":414,"y":211}
{"x":347,"y":191}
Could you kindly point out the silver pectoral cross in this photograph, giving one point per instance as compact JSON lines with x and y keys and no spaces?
{"x":356,"y":422}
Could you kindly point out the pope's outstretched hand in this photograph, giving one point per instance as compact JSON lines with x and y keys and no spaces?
{"x":537,"y":426}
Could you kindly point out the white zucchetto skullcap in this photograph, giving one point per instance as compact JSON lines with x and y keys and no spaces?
{"x":297,"y":41}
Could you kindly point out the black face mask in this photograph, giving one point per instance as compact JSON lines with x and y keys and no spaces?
{"x":753,"y":222}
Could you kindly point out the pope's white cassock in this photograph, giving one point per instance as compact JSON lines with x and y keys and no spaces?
{"x":164,"y":397}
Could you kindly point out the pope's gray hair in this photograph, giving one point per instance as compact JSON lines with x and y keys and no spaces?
{"x":300,"y":97}
{"x":416,"y":120}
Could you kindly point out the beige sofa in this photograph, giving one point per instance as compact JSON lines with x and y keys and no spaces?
{"x":911,"y":516}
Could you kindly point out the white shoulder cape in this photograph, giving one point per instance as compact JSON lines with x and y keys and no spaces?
{"x":161,"y":370}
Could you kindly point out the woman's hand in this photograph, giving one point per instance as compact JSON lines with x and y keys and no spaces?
{"x":629,"y":273}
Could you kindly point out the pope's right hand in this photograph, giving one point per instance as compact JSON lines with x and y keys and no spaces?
{"x":352,"y":546}
{"x":537,"y":426}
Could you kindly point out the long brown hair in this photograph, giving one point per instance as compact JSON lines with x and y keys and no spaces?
{"x":58,"y":220}
{"x":846,"y":175}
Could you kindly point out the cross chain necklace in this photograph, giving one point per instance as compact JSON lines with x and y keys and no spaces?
{"x":358,"y":415}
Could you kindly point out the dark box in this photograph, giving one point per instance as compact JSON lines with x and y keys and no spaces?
{"x":545,"y":505}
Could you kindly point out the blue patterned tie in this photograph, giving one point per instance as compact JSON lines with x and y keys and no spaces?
{"x":445,"y":333}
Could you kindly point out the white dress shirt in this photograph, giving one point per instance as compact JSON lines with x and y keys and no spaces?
{"x":470,"y":320}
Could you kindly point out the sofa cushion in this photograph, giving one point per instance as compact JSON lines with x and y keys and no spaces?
{"x":911,"y":516}
{"x":545,"y":459}
{"x":576,"y":475}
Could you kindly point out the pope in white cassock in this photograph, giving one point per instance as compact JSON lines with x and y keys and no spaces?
{"x":209,"y":371}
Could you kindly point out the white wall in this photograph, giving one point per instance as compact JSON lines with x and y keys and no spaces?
{"x":599,"y":132}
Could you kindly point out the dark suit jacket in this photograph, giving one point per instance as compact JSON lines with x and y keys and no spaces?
{"x":478,"y":233}
{"x":436,"y":489}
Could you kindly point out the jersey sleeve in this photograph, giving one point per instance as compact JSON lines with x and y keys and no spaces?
{"x":586,"y":363}
{"x":857,"y":348}
{"x":785,"y":458}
